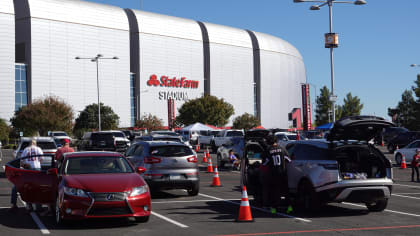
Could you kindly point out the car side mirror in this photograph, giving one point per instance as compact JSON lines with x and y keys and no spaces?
{"x":141,"y":170}
{"x":52,"y":171}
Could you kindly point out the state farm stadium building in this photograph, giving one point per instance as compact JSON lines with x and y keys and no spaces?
{"x":159,"y":57}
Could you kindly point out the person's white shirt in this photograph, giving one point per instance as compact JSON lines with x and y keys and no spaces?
{"x":34,"y":159}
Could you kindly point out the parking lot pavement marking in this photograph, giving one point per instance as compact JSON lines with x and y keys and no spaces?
{"x":407,"y":193}
{"x":396,"y":212}
{"x":405,"y":185}
{"x":41,"y":226}
{"x":398,"y":195}
{"x":169,"y":220}
{"x":256,"y":208}
{"x":328,"y":230}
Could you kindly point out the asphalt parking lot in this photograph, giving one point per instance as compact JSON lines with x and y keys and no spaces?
{"x":215,"y":209}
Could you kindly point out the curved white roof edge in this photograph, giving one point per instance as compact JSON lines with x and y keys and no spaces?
{"x":158,"y":24}
{"x":80,"y":12}
{"x":6,"y":6}
{"x":228,"y":35}
{"x":272,"y":43}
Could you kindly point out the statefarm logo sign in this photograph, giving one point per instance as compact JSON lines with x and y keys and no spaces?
{"x":165,"y":81}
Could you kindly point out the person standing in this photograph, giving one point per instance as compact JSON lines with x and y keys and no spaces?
{"x":415,"y":165}
{"x":31,"y":159}
{"x":274,"y":175}
{"x":66,"y":148}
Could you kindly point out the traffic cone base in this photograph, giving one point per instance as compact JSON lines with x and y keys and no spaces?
{"x":245,"y":209}
{"x":403,"y":163}
{"x":216,"y":179}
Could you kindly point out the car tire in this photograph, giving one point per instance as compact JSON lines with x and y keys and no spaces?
{"x":193,"y":191}
{"x":220,"y":163}
{"x":307,"y":198}
{"x":58,"y":217}
{"x":398,"y":158}
{"x":141,"y":219}
{"x":377,"y":206}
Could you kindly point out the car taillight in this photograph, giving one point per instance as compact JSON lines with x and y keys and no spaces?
{"x":152,"y":160}
{"x":192,"y":159}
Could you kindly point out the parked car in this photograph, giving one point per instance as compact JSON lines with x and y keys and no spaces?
{"x":391,"y":132}
{"x":283,"y":138}
{"x":236,"y":144}
{"x":129,"y":134}
{"x":59,"y":137}
{"x":407,"y":152}
{"x":402,"y":139}
{"x":158,"y":137}
{"x":47,"y":145}
{"x":345,"y":167}
{"x":190,"y":135}
{"x":85,"y":185}
{"x":164,"y":132}
{"x":169,"y":165}
{"x":121,"y":141}
{"x":206,"y":137}
{"x":102,"y":141}
{"x":224,"y":136}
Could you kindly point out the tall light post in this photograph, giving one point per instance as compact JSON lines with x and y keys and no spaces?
{"x":96,"y":59}
{"x":331,"y":39}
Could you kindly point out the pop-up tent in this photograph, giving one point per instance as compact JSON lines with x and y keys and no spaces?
{"x":327,"y":126}
{"x":196,"y":127}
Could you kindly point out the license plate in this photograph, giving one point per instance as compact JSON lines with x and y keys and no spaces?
{"x":174,"y":177}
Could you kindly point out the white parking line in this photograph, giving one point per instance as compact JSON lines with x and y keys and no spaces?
{"x":397,"y":212}
{"x":398,"y":195}
{"x":408,"y":193}
{"x":38,"y":222}
{"x":405,"y":185}
{"x":191,"y":201}
{"x":169,"y":220}
{"x":256,"y":208}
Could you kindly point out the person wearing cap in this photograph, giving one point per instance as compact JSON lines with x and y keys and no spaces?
{"x":66,"y":148}
{"x":415,"y":165}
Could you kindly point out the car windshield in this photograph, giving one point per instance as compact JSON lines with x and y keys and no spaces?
{"x":170,"y":151}
{"x":60,"y":134}
{"x":214,"y":133}
{"x":291,"y":136}
{"x":96,"y":165}
{"x":118,"y":134}
{"x":234,"y":133}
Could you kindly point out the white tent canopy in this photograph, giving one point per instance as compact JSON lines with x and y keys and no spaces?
{"x":196,"y":127}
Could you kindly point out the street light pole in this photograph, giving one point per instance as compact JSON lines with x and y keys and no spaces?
{"x":331,"y":40}
{"x":96,"y":60}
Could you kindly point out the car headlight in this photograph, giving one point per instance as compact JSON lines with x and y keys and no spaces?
{"x":75,"y":192}
{"x":139,"y":190}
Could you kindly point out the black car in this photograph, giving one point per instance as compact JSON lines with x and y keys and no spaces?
{"x":402,"y":139}
{"x":101,"y":141}
{"x":391,"y":132}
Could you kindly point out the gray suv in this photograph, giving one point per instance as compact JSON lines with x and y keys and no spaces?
{"x":169,"y":165}
{"x":344,"y":167}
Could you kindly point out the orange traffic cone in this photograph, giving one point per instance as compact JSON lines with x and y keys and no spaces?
{"x":209,"y":166}
{"x":382,"y":143}
{"x":403,"y":163}
{"x":204,"y":158}
{"x":216,"y":180}
{"x":245,"y":209}
{"x":197,"y":147}
{"x":208,"y":153}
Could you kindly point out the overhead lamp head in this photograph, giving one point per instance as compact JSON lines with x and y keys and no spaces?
{"x":115,"y":58}
{"x":413,"y":65}
{"x":298,"y":1}
{"x":99,"y":55}
{"x":77,"y":58}
{"x":359,"y":2}
{"x":93,"y":60}
{"x":314,"y":8}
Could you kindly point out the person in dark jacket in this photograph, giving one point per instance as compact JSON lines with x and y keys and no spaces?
{"x":415,"y":165}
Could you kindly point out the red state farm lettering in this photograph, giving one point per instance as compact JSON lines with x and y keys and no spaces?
{"x":165,"y":81}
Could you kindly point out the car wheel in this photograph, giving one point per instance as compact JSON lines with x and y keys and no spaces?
{"x":379,"y":205}
{"x":194,"y":190}
{"x":58,"y":217}
{"x":398,"y":158}
{"x":307,"y":198}
{"x":142,"y":219}
{"x":220,"y":163}
{"x":391,"y":148}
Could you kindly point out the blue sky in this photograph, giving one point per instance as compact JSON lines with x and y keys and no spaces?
{"x":378,"y":41}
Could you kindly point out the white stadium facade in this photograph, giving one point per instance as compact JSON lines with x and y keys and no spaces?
{"x":159,"y":57}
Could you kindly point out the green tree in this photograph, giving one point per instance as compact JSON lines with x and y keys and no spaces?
{"x":43,"y":115}
{"x":404,"y":114}
{"x":246,"y":121}
{"x":323,"y":107}
{"x":207,"y":110}
{"x":416,"y":105}
{"x":88,"y":119}
{"x":351,"y":107}
{"x":4,"y":131}
{"x":150,"y":122}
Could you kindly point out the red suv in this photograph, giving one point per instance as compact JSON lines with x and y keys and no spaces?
{"x":85,"y":185}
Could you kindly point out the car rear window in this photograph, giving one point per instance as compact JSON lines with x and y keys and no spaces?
{"x":60,"y":134}
{"x":234,"y":133}
{"x":42,"y":145}
{"x":106,"y":136}
{"x":170,"y":151}
{"x":167,"y":139}
{"x":119,"y":134}
{"x":96,"y":165}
